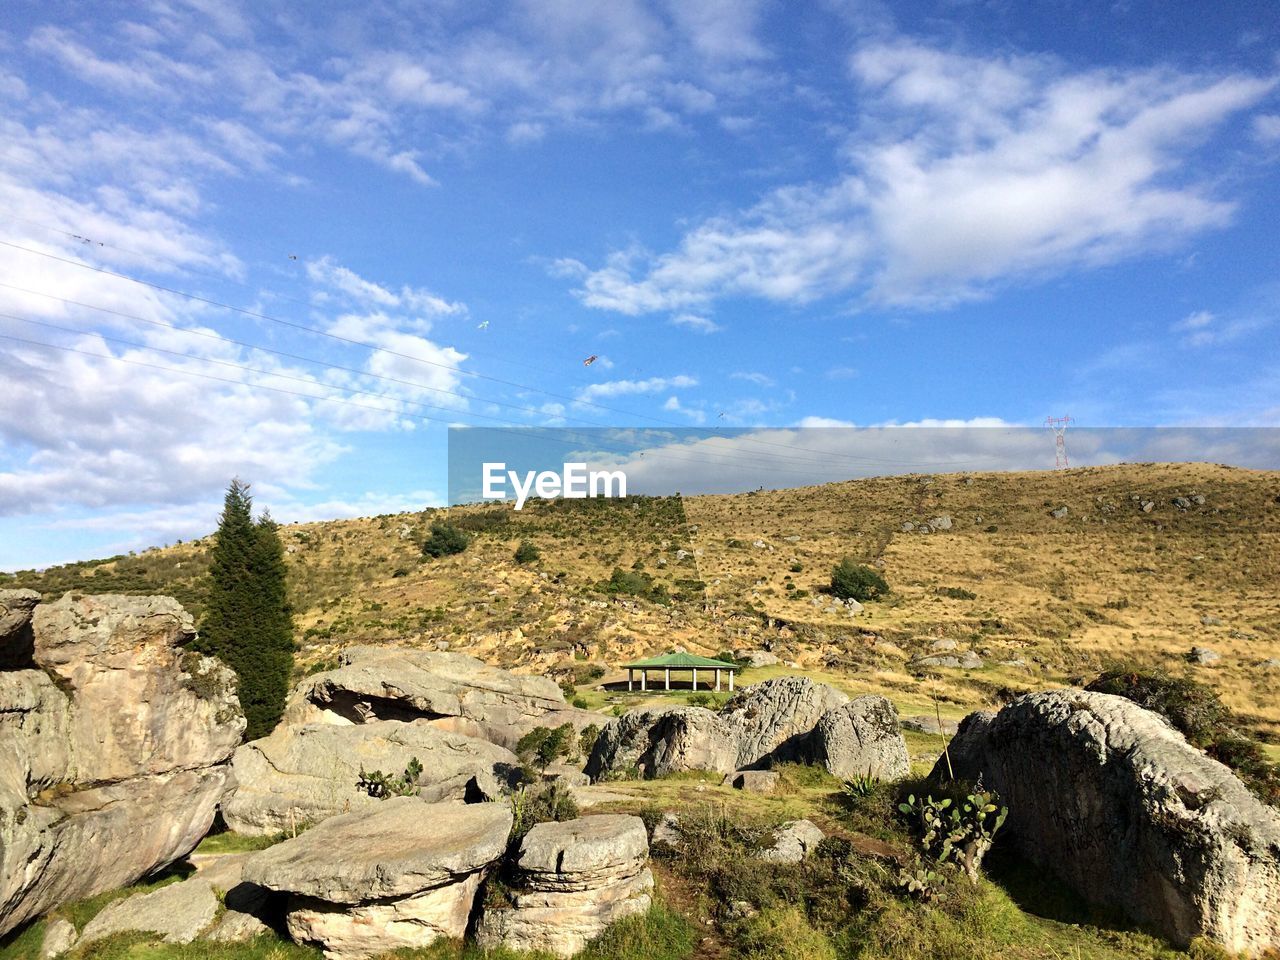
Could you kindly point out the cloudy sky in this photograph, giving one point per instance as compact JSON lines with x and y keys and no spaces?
{"x":293,"y":242}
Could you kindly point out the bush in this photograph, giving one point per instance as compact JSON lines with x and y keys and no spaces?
{"x":855,"y":581}
{"x":531,"y":806}
{"x":957,"y":593}
{"x":587,"y":739}
{"x":383,"y":785}
{"x":445,"y":539}
{"x":527,"y":552}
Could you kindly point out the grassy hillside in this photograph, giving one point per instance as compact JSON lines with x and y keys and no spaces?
{"x":1041,"y":599}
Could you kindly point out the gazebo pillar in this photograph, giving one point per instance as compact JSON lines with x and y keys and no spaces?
{"x":668,"y":678}
{"x":630,"y":677}
{"x":717,"y":679}
{"x":695,"y":678}
{"x":731,"y":681}
{"x":644,"y":678}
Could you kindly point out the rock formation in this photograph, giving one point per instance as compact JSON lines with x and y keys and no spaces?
{"x":456,"y":692}
{"x":571,"y":880}
{"x":401,"y":875}
{"x":793,"y":841}
{"x":301,"y":775}
{"x":114,"y":744}
{"x":1112,"y":799}
{"x":861,"y":738}
{"x":770,"y":721}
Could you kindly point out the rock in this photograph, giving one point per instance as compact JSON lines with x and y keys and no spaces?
{"x":399,"y":876}
{"x":1113,"y":800}
{"x":59,"y":937}
{"x":667,"y":830}
{"x":1059,"y":513}
{"x":771,"y":720}
{"x":966,"y":661}
{"x":566,"y":773}
{"x":861,"y":738}
{"x":17,"y":642}
{"x":768,"y":721}
{"x":752,"y":781}
{"x":945,"y":644}
{"x":1198,"y":499}
{"x":1204,"y":656}
{"x":177,"y":913}
{"x":1147,"y":506}
{"x":1272,"y":663}
{"x":941,"y":523}
{"x":662,"y":741}
{"x":571,"y":880}
{"x":455,"y":692}
{"x":927,"y":724}
{"x":236,"y":927}
{"x":1209,"y":620}
{"x":301,"y":775}
{"x":907,"y":526}
{"x":113,"y":750}
{"x":793,"y":841}
{"x":1182,"y":503}
{"x":756,"y":658}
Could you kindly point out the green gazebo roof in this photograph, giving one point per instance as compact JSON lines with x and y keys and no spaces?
{"x":679,"y":660}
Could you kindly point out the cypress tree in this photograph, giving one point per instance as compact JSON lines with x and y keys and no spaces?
{"x":248,"y":623}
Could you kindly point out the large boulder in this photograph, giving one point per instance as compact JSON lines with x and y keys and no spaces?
{"x":861,"y":738}
{"x":1112,"y":799}
{"x":571,"y":880}
{"x":301,"y":775}
{"x":114,"y":742}
{"x":454,"y":691}
{"x":16,"y":638}
{"x":767,"y":722}
{"x":773,"y":719}
{"x":658,"y":742}
{"x":177,"y":913}
{"x":399,"y":876}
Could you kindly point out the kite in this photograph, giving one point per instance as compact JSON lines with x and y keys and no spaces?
{"x":483,"y":325}
{"x":590,"y":360}
{"x":293,"y":256}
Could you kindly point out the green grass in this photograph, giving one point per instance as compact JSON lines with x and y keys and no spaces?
{"x":230,"y":842}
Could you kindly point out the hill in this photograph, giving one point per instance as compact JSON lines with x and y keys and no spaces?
{"x":1148,"y":561}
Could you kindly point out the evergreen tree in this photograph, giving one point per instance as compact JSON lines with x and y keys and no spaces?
{"x":248,"y":623}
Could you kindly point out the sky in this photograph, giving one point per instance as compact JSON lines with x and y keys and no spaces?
{"x":294,"y":243}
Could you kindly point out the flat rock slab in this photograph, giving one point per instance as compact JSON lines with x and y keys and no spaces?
{"x":177,"y":913}
{"x":402,"y":848}
{"x":576,"y":854}
{"x":753,"y":781}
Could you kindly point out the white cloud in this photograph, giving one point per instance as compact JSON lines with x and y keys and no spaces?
{"x":696,"y":323}
{"x":751,"y":376}
{"x":1204,"y":329}
{"x":618,"y":388}
{"x":965,"y":173}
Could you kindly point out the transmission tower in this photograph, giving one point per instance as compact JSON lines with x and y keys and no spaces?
{"x":1059,"y":427}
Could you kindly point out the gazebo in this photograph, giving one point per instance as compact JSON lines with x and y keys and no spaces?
{"x":678,"y":661}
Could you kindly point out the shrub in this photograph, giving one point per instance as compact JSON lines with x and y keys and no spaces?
{"x":957,"y":593}
{"x":531,"y":806}
{"x":587,"y":739}
{"x":957,"y":830}
{"x":527,"y":552}
{"x":382,"y":785}
{"x":856,"y":581}
{"x":445,"y":539}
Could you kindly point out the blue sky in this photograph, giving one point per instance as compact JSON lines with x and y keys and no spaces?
{"x":754,"y":214}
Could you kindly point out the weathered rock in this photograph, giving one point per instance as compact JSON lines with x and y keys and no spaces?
{"x":667,"y":830}
{"x":752,"y":781}
{"x":942,"y":522}
{"x":112,"y":755}
{"x":59,"y":937}
{"x":1204,"y":656}
{"x":770,"y":720}
{"x":1209,"y":620}
{"x":926,"y":724}
{"x":662,"y":741}
{"x":1273,"y":663}
{"x":402,"y":875}
{"x":1059,"y":513}
{"x":17,"y":643}
{"x":572,"y":880}
{"x":456,"y":692}
{"x":301,"y":775}
{"x":861,"y":738}
{"x":943,"y":645}
{"x":177,"y":913}
{"x":965,"y":661}
{"x":793,"y":841}
{"x":236,"y":927}
{"x":1116,"y":802}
